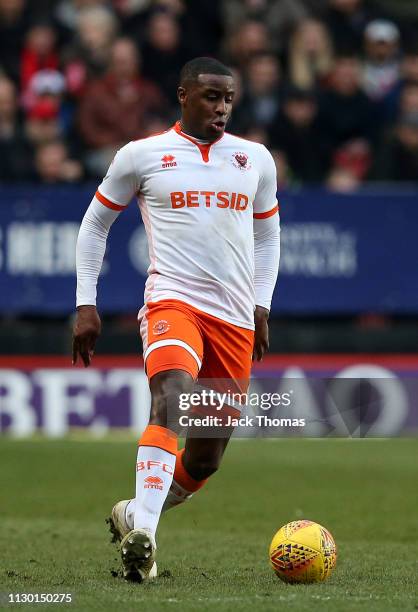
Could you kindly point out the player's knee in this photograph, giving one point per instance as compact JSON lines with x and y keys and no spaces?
{"x":166,"y":387}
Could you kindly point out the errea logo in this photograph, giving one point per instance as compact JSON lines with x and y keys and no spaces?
{"x":168,"y":161}
{"x":153,"y":482}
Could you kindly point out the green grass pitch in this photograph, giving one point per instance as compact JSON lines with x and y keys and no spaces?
{"x":212,"y":552}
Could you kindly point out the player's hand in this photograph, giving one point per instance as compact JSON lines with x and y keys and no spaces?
{"x":86,"y":330}
{"x":261,"y":335}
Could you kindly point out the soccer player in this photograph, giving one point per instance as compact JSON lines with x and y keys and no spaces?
{"x":208,"y":203}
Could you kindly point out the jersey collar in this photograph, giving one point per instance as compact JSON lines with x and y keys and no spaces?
{"x":203,"y":148}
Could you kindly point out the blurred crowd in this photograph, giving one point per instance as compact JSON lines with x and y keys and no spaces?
{"x":330,"y":86}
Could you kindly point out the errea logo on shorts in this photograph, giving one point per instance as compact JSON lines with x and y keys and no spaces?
{"x":168,"y":161}
{"x":160,"y":327}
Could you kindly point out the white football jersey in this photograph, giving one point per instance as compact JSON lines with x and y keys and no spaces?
{"x":197,"y":203}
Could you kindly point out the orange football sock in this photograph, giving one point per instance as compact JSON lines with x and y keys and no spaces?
{"x":183,"y":485}
{"x":183,"y":478}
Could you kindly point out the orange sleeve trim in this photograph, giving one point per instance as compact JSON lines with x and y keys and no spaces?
{"x":164,"y":438}
{"x":108,"y":203}
{"x":183,"y":478}
{"x":267,"y":214}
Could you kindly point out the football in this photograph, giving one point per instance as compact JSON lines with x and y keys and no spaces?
{"x":303,"y":551}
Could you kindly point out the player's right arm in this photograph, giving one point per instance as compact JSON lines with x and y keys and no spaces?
{"x":112,"y":196}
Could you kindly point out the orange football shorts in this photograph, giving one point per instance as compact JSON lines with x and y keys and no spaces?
{"x":177,"y":336}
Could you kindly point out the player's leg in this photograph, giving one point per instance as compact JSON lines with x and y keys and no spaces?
{"x":227,"y":361}
{"x":156,"y":459}
{"x":226,"y":368}
{"x":202,"y":456}
{"x":199,"y":459}
{"x":172,"y":348}
{"x":155,"y":465}
{"x":157,"y":447}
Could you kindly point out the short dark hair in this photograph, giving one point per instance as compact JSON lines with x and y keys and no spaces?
{"x":202,"y":65}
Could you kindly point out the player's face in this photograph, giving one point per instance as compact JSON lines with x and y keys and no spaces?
{"x":207,"y":105}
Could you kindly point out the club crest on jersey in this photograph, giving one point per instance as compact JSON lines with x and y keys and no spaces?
{"x":240,"y":160}
{"x":168,"y":161}
{"x":160,"y":327}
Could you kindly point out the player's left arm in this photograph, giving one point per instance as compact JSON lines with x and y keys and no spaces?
{"x":266,"y":224}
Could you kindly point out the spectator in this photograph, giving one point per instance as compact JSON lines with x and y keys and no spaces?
{"x":116,"y":108}
{"x":39,"y":53}
{"x":346,"y":21}
{"x":257,"y":134}
{"x":249,"y":39}
{"x":354,"y":157}
{"x":296,"y":133}
{"x":49,"y":86}
{"x":52,"y":164}
{"x":406,"y":14}
{"x":409,"y":65}
{"x":133,"y":16}
{"x":237,"y":123}
{"x":408,"y":100}
{"x":129,"y":8}
{"x":381,"y":70}
{"x":46,"y":83}
{"x":114,"y":99}
{"x":88,"y":56}
{"x":42,"y":123}
{"x":175,"y":7}
{"x":14,"y":147}
{"x":14,"y":23}
{"x":310,"y":54}
{"x":67,"y":12}
{"x":261,"y":93}
{"x":397,"y":159}
{"x":279,"y":17}
{"x":163,"y":53}
{"x":203,"y":24}
{"x":394,"y":103}
{"x":345,"y":110}
{"x":342,"y":180}
{"x":285,"y":177}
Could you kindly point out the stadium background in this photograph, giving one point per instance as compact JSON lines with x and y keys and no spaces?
{"x":330,"y":86}
{"x":334,"y":95}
